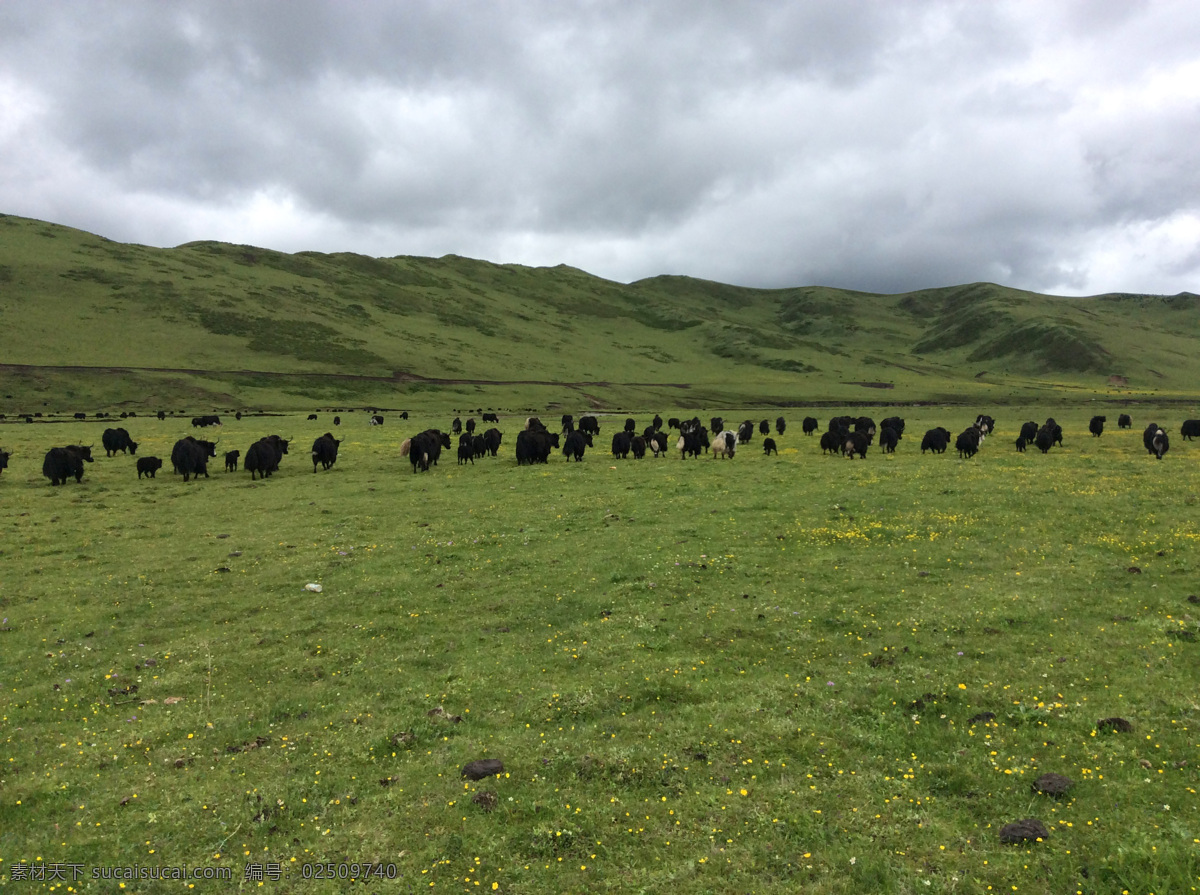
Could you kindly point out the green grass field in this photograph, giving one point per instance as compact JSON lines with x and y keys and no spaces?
{"x":754,"y":675}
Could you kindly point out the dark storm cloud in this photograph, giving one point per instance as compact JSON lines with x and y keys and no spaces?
{"x":882,"y":146}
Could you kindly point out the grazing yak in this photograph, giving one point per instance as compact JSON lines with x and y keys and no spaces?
{"x":780,"y":425}
{"x":621,"y":444}
{"x":534,"y":446}
{"x":1029,"y":432}
{"x":985,"y":424}
{"x":439,"y":440}
{"x":764,"y":428}
{"x":745,"y":432}
{"x":1096,"y":425}
{"x":263,"y":457}
{"x":630,"y":426}
{"x":525,"y":450}
{"x":831,"y":441}
{"x":117,"y":440}
{"x":4,"y":455}
{"x":466,"y":449}
{"x":936,"y":440}
{"x":589,"y":424}
{"x":568,"y":422}
{"x":1156,"y":441}
{"x":1160,"y":444}
{"x":435,"y":441}
{"x":492,"y":439}
{"x":231,"y":460}
{"x":1124,"y":421}
{"x":189,"y":457}
{"x":456,"y":426}
{"x":202,"y":422}
{"x":491,"y":418}
{"x":324,"y":451}
{"x":576,"y":444}
{"x":337,"y":420}
{"x":810,"y":425}
{"x":312,"y":416}
{"x":691,"y":443}
{"x":637,"y":447}
{"x":417,"y":450}
{"x":658,"y":443}
{"x":967,"y":443}
{"x":1055,"y":430}
{"x":63,"y":462}
{"x":376,"y":420}
{"x":894,"y":422}
{"x":866,"y":426}
{"x":424,"y":448}
{"x":888,"y":439}
{"x":769,"y":446}
{"x":856,"y":443}
{"x":656,"y":422}
{"x":716,"y":425}
{"x":1190,"y":429}
{"x":148,"y":466}
{"x":1044,"y":439}
{"x":724,"y":444}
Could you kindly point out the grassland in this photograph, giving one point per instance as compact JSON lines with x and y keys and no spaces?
{"x":93,"y":324}
{"x":746,"y":676}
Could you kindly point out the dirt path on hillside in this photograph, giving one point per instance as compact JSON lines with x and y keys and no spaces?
{"x":400,"y":376}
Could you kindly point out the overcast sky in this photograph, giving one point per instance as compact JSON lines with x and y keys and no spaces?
{"x":882,"y":146}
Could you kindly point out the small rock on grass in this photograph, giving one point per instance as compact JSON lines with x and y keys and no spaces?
{"x":483,"y":767}
{"x":1028,"y":830}
{"x":1052,"y":784}
{"x":485,"y":799}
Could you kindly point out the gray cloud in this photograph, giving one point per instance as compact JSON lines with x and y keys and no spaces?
{"x":884,"y":146}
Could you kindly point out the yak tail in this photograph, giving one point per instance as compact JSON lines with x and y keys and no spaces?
{"x":405,"y":447}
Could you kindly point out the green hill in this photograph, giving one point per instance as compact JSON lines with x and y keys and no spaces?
{"x":91,"y":322}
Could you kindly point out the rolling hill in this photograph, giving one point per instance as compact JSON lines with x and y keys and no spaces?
{"x":91,"y":322}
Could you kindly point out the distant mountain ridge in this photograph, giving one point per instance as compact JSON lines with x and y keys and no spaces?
{"x":70,"y":298}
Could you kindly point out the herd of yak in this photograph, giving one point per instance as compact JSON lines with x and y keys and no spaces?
{"x":189,"y":456}
{"x":845,"y":435}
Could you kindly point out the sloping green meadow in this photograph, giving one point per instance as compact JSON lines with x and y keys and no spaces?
{"x":755,"y":675}
{"x":92,"y":324}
